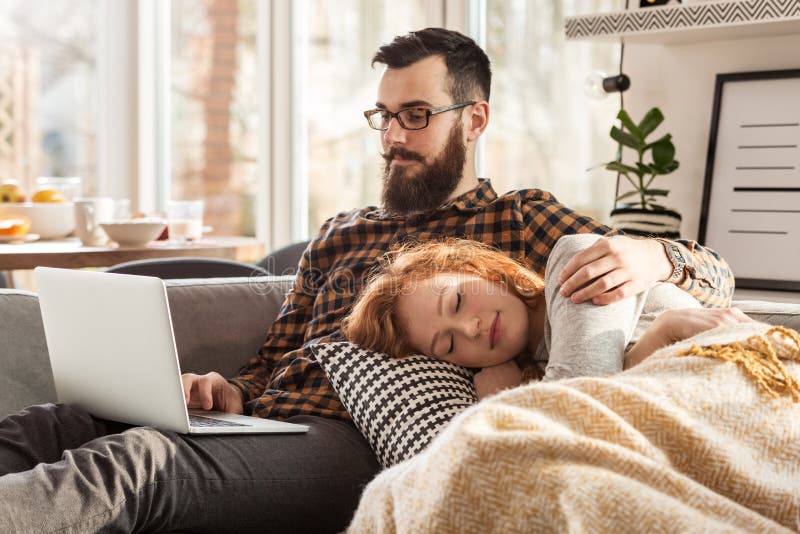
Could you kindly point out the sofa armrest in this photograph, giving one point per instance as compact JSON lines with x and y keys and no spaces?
{"x":220,"y":323}
{"x":25,"y":374}
{"x":775,"y":313}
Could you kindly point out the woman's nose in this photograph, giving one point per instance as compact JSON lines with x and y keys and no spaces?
{"x":471,"y":327}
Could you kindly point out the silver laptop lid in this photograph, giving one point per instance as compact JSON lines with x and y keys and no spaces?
{"x":111,"y":346}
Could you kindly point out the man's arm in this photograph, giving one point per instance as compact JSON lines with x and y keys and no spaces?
{"x":287,"y":332}
{"x":619,"y":266}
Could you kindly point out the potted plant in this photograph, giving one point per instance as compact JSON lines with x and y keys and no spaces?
{"x":642,"y":214}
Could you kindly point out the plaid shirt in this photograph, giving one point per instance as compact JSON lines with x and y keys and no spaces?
{"x":285,"y":380}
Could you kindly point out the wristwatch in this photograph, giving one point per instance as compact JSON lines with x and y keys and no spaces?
{"x":676,"y":258}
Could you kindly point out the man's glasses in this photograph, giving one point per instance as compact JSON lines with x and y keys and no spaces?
{"x":408,"y":119}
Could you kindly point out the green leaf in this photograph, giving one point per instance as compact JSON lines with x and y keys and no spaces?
{"x":625,"y":138}
{"x":650,"y":122}
{"x":593,"y":167}
{"x":618,"y":166}
{"x":628,"y":123}
{"x":666,"y":137}
{"x":666,"y":169}
{"x":656,"y":192}
{"x":663,"y":153}
{"x":628,"y":194}
{"x":658,"y":207}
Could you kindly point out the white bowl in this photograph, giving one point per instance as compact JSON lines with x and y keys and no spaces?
{"x":51,"y":220}
{"x":133,"y":233}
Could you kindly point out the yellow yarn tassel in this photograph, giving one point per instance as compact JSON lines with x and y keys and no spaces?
{"x":758,"y":358}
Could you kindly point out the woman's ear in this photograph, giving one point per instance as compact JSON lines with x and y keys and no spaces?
{"x":477,"y":120}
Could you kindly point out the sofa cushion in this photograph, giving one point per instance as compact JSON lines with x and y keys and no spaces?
{"x":220,"y":323}
{"x":398,"y":404}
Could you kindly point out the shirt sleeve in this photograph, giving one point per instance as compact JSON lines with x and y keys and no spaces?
{"x":288,"y":331}
{"x":708,"y":276}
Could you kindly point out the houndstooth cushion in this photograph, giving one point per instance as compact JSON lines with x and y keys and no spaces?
{"x":398,"y":404}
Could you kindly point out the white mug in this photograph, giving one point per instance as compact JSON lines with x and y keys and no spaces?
{"x":89,"y":213}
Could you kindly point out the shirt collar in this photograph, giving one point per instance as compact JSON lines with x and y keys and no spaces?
{"x":473,"y":200}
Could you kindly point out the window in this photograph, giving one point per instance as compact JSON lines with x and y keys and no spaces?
{"x":544,"y":131}
{"x":337,"y":163}
{"x":214,"y":110}
{"x":48,"y":91}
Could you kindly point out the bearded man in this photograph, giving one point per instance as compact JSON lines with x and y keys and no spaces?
{"x":431,"y":109}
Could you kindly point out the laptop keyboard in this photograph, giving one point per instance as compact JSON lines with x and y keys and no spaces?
{"x":199,"y":420}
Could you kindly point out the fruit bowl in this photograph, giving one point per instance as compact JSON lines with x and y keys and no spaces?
{"x":135,"y":232}
{"x":49,"y":220}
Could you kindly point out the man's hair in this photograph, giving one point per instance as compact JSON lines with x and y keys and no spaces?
{"x":373,"y":323}
{"x":468,"y":66}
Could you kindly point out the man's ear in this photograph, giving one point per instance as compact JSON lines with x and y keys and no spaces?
{"x":477,"y":120}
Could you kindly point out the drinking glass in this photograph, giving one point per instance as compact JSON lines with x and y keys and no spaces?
{"x":185,"y":220}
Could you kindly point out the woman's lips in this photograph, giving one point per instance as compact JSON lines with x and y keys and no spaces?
{"x":494,"y":331}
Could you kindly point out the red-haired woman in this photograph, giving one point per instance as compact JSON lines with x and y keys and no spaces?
{"x":464,"y":302}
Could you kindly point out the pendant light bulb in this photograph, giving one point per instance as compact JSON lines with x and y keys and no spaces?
{"x":599,"y":84}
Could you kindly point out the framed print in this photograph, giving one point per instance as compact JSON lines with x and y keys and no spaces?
{"x":751,"y":199}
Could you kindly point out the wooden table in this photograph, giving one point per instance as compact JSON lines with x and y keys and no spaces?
{"x":70,"y":254}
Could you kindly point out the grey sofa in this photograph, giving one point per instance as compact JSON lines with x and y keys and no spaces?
{"x":218,"y":323}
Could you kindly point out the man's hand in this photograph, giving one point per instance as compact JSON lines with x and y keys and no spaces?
{"x":614,"y":268}
{"x":211,"y":392}
{"x":496,"y":378}
{"x":676,"y":325}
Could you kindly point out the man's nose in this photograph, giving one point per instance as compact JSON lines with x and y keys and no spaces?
{"x":394,"y":134}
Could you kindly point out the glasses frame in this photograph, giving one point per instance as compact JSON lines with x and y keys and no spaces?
{"x":428,"y":114}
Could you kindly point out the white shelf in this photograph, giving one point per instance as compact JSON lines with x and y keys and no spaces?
{"x":703,"y":21}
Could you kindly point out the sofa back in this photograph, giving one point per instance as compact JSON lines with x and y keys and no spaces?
{"x":219,"y":324}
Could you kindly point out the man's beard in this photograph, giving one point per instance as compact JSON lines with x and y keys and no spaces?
{"x":405,"y":192}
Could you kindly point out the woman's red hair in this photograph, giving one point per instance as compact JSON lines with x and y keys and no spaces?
{"x":373,"y":324}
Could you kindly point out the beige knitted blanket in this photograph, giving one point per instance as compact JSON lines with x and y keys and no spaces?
{"x":677,"y":444}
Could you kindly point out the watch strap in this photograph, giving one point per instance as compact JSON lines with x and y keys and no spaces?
{"x":677,"y":259}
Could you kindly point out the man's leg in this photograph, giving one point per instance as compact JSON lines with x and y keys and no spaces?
{"x":40,"y":434}
{"x":584,"y":339}
{"x":146,"y":479}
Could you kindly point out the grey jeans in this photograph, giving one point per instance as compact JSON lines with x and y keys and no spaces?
{"x":62,"y":470}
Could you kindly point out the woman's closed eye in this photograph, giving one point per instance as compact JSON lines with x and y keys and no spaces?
{"x":458,"y":307}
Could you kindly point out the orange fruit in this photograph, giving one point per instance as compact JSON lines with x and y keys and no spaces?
{"x":48,"y":195}
{"x":11,"y":193}
{"x":14,"y":225}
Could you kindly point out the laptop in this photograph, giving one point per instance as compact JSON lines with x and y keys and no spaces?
{"x":113,"y":353}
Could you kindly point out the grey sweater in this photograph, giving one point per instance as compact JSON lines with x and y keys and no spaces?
{"x":589,"y":340}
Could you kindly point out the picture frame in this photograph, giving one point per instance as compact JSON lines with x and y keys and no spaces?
{"x":751,"y":197}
